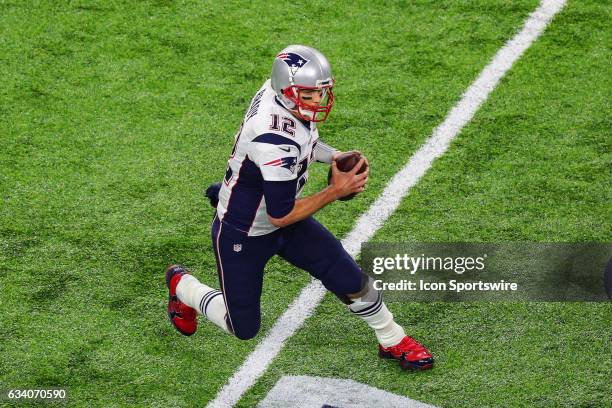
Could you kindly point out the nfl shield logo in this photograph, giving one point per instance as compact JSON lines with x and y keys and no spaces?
{"x":237,"y":247}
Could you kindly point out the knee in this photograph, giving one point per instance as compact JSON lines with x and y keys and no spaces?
{"x":245,"y":328}
{"x":344,"y":276}
{"x":366,"y":291}
{"x":246,"y":333}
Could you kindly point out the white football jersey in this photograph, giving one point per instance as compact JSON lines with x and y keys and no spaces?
{"x":272,"y":145}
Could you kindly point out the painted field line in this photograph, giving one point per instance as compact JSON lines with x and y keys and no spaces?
{"x":369,"y":222}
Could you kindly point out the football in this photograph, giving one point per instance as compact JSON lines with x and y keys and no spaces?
{"x":346,"y":162}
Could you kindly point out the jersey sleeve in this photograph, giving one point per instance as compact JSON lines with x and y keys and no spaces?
{"x":323,"y":152}
{"x":276,"y":156}
{"x":280,"y":197}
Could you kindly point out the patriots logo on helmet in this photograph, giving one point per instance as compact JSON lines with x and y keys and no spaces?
{"x":287,"y":162}
{"x":292,"y":59}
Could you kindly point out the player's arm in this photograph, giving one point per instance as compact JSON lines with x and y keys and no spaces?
{"x":324,"y":153}
{"x":282,"y":213}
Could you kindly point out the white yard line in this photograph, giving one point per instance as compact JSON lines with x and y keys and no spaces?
{"x":304,"y":391}
{"x":367,"y":225}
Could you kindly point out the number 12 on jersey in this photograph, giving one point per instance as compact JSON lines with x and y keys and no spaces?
{"x":284,"y":124}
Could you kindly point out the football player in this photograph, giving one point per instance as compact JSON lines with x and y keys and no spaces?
{"x":260,"y":214}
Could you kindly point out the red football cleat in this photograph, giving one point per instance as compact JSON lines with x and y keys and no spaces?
{"x":410,"y":353}
{"x":182,"y":317}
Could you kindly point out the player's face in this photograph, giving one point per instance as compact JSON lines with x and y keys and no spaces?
{"x":311,"y":97}
{"x":312,"y":104}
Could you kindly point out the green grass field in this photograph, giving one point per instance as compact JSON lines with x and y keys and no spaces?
{"x":115,"y":115}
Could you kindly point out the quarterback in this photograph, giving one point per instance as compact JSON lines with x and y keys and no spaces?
{"x":260,"y":213}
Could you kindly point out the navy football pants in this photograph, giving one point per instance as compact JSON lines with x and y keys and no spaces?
{"x":241,"y":260}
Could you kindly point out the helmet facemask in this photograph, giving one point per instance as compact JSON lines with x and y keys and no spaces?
{"x":309,"y":112}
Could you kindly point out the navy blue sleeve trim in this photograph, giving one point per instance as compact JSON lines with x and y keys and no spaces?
{"x":273,"y":138}
{"x":280,"y":197}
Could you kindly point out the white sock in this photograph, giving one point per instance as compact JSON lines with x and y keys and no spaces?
{"x":379,"y":318}
{"x":204,"y":299}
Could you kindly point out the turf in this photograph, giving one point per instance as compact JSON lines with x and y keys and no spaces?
{"x":115,"y":115}
{"x":533,"y":165}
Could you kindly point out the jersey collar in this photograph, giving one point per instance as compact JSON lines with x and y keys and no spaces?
{"x":306,"y":123}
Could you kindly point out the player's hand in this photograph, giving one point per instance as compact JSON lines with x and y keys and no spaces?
{"x":345,"y":183}
{"x":366,"y":159}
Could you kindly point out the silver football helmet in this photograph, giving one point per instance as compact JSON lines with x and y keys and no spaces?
{"x":299,"y":68}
